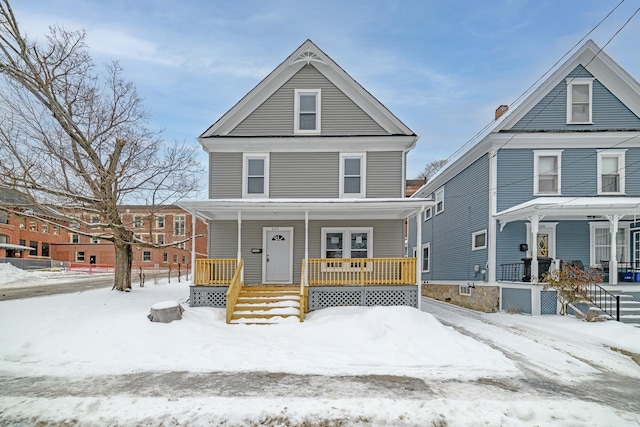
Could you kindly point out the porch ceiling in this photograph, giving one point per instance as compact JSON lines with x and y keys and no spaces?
{"x":571,"y":208}
{"x":294,"y":209}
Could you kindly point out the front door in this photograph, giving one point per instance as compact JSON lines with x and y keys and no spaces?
{"x":278,"y":255}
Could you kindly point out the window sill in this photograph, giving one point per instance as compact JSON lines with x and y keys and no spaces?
{"x":612,"y":194}
{"x":548,"y":194}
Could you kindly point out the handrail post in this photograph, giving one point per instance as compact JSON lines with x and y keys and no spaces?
{"x":618,"y":308}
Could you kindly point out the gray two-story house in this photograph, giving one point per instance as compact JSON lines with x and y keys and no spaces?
{"x":306,"y":188}
{"x":556,"y":177}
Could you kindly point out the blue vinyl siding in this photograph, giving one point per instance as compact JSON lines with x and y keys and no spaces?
{"x":578,"y":174}
{"x":551,"y":112}
{"x":466,"y":211}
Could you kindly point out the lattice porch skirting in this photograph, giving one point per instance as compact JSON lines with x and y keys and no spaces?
{"x":208,"y":296}
{"x":338,"y":296}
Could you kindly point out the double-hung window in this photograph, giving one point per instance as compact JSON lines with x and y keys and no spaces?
{"x":611,"y":168}
{"x":439,"y":198}
{"x":307,"y":111}
{"x":547,"y":166}
{"x":353,"y":174}
{"x":427,"y":214}
{"x":579,"y":97}
{"x":600,"y":237}
{"x":426,"y":257}
{"x":179,"y":224}
{"x":255,"y":181}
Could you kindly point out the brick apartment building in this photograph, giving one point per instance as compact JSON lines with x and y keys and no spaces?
{"x":35,"y":239}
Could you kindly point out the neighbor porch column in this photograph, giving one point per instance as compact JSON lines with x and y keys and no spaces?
{"x":613,"y":261}
{"x":239,"y":255}
{"x":535,"y":225}
{"x":419,"y":255}
{"x":306,"y":247}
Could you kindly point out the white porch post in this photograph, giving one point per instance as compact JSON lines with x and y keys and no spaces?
{"x":419,"y":255}
{"x":535,"y":223}
{"x":306,"y":247}
{"x":613,"y":261}
{"x":239,"y":255}
{"x":193,"y":246}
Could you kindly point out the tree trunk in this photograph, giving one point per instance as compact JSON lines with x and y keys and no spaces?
{"x":124,"y":260}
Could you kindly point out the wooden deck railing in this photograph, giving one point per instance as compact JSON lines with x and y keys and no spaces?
{"x":214,"y":271}
{"x":362,"y":271}
{"x":303,"y":284}
{"x":234,"y":290}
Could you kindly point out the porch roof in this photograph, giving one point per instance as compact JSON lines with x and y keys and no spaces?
{"x":365,"y":208}
{"x":571,"y":208}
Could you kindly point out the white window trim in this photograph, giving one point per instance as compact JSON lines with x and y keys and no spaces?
{"x":465,"y":289}
{"x":426,"y":245}
{"x":428,"y":213}
{"x":245,"y":170}
{"x":143,"y":256}
{"x":345,"y":248}
{"x":579,"y":81}
{"x":536,"y":171}
{"x":620,"y":155}
{"x":158,"y":222}
{"x":83,"y":256}
{"x":439,"y":191}
{"x":473,"y":240}
{"x":296,"y":111}
{"x":592,"y":248}
{"x":363,"y":174}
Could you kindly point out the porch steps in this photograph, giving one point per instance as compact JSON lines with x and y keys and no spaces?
{"x":629,"y":309}
{"x":267,"y":304}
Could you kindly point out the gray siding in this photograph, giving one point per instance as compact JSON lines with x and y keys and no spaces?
{"x":578,"y":174}
{"x":551,"y":112}
{"x":387,"y":241}
{"x":466,"y":211}
{"x":339,"y":115}
{"x":384,"y":174}
{"x":225,"y":175}
{"x":305,"y":175}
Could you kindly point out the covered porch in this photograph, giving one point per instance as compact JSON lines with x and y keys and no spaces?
{"x":360,"y":243}
{"x":590,"y":232}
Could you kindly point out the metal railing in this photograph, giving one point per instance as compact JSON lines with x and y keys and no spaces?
{"x":604,"y":300}
{"x":214,"y":271}
{"x":361,"y":271}
{"x":513,"y":272}
{"x":234,"y":290}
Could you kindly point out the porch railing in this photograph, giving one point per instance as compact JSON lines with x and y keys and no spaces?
{"x":214,"y":271}
{"x":513,"y":272}
{"x":362,"y":271}
{"x":234,"y":290}
{"x":303,"y":284}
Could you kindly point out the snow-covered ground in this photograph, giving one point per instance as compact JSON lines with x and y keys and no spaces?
{"x":99,"y":336}
{"x":12,"y":277}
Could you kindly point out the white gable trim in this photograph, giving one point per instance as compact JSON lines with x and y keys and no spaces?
{"x":307,"y":53}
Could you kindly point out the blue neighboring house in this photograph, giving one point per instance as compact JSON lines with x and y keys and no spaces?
{"x":555,"y":177}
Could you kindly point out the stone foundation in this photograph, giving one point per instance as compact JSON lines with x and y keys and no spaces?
{"x":482,"y":298}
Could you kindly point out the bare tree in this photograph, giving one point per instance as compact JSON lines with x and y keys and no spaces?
{"x":78,"y":140}
{"x":431,"y":169}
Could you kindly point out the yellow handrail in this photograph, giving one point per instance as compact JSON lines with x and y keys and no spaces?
{"x":234,"y":290}
{"x":303,"y":283}
{"x":361,"y":271}
{"x":214,"y":271}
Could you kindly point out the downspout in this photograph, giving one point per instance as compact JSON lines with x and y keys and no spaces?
{"x":493,"y":211}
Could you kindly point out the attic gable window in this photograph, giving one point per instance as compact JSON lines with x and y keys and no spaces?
{"x":579,"y":101}
{"x":307,"y":111}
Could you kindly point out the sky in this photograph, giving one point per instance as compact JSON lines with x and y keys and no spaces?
{"x":442,"y":67}
{"x":87,"y":356}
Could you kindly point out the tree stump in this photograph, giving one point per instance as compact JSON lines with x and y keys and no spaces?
{"x":166,"y":312}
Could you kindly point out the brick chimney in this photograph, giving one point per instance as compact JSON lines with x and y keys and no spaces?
{"x":501,"y":110}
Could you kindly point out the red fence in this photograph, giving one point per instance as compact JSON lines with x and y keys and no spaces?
{"x":90,"y":268}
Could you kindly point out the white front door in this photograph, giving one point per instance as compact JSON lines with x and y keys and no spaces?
{"x":277,"y":255}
